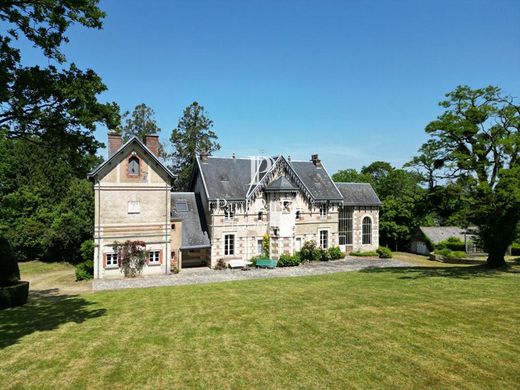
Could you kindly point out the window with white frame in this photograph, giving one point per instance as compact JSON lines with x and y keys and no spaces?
{"x":134,"y":207}
{"x":324,"y":239}
{"x":260,"y":215}
{"x":112,"y":260}
{"x":298,"y":215}
{"x":154,"y":257}
{"x":286,"y":207}
{"x":229,"y":245}
{"x":323,"y":211}
{"x":259,"y":246}
{"x":228,"y":214}
{"x":367,"y":231}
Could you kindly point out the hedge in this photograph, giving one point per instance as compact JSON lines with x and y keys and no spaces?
{"x":515,"y":250}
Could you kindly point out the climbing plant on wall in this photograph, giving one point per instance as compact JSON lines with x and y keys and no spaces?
{"x":131,"y":256}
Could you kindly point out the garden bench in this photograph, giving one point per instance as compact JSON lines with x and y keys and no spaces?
{"x":266,"y":263}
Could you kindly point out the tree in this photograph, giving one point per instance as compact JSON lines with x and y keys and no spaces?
{"x":141,"y":122}
{"x":192,"y":135}
{"x":477,"y":140}
{"x":49,"y":102}
{"x":350,"y":176}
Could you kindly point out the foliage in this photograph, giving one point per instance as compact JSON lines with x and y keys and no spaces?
{"x":266,"y":245}
{"x":336,"y":253}
{"x":443,"y":252}
{"x":131,"y":256}
{"x":325,"y":255}
{"x":85,"y":270}
{"x":221,"y":265}
{"x":310,"y":252}
{"x":46,"y":211}
{"x":515,"y":250}
{"x":476,"y":141}
{"x":9,"y":271}
{"x":49,"y":102}
{"x":192,"y":135}
{"x":141,"y":122}
{"x":458,"y":254}
{"x":453,"y":244}
{"x":384,"y":252}
{"x":351,"y":176}
{"x":365,"y":254}
{"x":287,"y":260}
{"x":87,"y":250}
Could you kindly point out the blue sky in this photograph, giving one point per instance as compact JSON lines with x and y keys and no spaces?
{"x":355,"y":81}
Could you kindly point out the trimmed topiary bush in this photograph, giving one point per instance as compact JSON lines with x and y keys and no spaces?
{"x":384,"y":252}
{"x":9,"y":271}
{"x":13,"y":292}
{"x":336,"y":253}
{"x":287,"y":260}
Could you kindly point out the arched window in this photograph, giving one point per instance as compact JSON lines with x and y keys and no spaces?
{"x":367,"y":231}
{"x":133,"y":166}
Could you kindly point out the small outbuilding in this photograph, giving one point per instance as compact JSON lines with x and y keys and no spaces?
{"x":428,"y":236}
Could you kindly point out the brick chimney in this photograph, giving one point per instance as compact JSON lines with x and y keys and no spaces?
{"x":114,"y":143}
{"x":316,"y":160}
{"x":152,"y":143}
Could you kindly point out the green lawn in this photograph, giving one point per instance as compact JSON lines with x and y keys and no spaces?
{"x":435,"y":327}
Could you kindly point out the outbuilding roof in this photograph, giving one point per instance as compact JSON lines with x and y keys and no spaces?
{"x":187,"y":207}
{"x":358,"y":194}
{"x":437,"y":234}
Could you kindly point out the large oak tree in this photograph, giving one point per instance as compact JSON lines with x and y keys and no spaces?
{"x":476,"y":141}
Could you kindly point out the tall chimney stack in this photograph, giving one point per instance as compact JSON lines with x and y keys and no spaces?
{"x":114,"y":143}
{"x":204,"y":155}
{"x":152,"y":143}
{"x":316,"y":160}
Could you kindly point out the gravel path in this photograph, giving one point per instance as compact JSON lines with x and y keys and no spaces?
{"x":207,"y":275}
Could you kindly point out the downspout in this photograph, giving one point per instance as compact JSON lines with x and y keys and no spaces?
{"x":99,"y":228}
{"x":166,"y":234}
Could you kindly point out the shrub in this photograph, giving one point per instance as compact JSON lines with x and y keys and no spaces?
{"x":384,"y":252}
{"x":443,"y":252}
{"x":221,"y":264}
{"x":9,"y":271}
{"x":452,"y":243}
{"x":458,"y":254}
{"x":365,"y":254}
{"x":325,"y":255}
{"x":336,"y":253}
{"x":515,"y":250}
{"x":310,"y":252}
{"x":87,"y":250}
{"x":85,"y":270}
{"x":287,"y":260}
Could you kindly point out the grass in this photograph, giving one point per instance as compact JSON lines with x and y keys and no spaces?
{"x":419,"y":327}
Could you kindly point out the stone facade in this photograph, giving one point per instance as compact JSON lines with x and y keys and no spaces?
{"x":131,"y":206}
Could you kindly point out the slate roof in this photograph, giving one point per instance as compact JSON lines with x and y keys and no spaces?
{"x":194,"y":227}
{"x":226,"y":178}
{"x":229,"y":178}
{"x":317,"y":180}
{"x":282,"y":184}
{"x":123,"y":150}
{"x":358,"y":194}
{"x":437,"y":234}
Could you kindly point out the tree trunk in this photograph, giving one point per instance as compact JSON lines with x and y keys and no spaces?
{"x":496,"y":260}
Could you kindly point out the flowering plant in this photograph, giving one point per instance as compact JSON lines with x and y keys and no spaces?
{"x":131,"y":256}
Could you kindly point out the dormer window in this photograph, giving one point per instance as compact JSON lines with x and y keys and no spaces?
{"x":323,"y":211}
{"x":228,"y":214}
{"x":133,"y":166}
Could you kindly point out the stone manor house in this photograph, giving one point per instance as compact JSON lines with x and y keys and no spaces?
{"x":233,"y":203}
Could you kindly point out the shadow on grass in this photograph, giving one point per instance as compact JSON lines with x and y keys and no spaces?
{"x":462,"y":272}
{"x":44,"y":311}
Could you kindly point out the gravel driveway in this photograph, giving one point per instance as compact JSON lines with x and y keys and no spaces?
{"x":207,"y":275}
